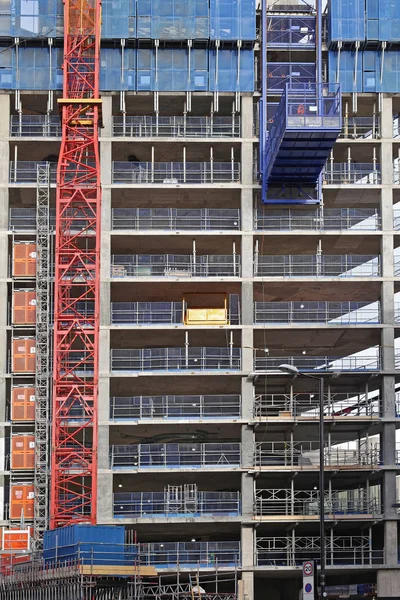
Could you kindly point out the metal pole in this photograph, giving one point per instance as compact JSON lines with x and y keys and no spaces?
{"x":322,"y":486}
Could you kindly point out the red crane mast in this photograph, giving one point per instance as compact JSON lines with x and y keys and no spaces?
{"x":77,"y":272}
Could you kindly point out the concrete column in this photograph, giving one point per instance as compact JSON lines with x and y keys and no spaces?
{"x":247,"y":117}
{"x":388,"y":583}
{"x":247,"y":543}
{"x":104,"y":498}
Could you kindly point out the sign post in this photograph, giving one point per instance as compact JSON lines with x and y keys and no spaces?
{"x":309,"y":580}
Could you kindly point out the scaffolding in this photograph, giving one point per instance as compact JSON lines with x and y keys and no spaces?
{"x":82,"y":577}
{"x":43,"y":355}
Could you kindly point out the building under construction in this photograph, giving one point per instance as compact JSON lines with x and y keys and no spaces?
{"x":197,"y":260}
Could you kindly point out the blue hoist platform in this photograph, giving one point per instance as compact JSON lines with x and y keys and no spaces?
{"x":294,"y":150}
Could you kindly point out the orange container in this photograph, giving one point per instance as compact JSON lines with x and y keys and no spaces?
{"x":23,"y":451}
{"x":24,"y":259}
{"x":21,"y":500}
{"x":17,"y":539}
{"x":22,"y":403}
{"x":24,"y":355}
{"x":24,"y":307}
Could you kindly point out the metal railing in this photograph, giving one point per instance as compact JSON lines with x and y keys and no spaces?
{"x":329,"y":313}
{"x":175,"y":456}
{"x":222,"y":406}
{"x":176,"y":359}
{"x":305,"y":454}
{"x":190,"y":554}
{"x":174,"y":265}
{"x":339,"y":219}
{"x":26,"y":171}
{"x":175,"y":172}
{"x":396,"y":220}
{"x":35,"y":126}
{"x":305,"y":405}
{"x":365,"y":128}
{"x":352,"y":174}
{"x":176,"y":127}
{"x":161,"y":504}
{"x":159,"y":313}
{"x":24,"y":219}
{"x":340,"y":550}
{"x":364,"y":362}
{"x":307,"y":265}
{"x":307,"y":503}
{"x":176,"y":219}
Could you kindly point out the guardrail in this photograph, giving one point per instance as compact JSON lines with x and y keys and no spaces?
{"x":176,"y":219}
{"x":365,"y":128}
{"x":340,"y":550}
{"x":175,"y":456}
{"x":174,"y":265}
{"x":176,"y":359}
{"x":222,"y":406}
{"x":335,"y":219}
{"x":328,"y":313}
{"x":306,"y":405}
{"x":35,"y":126}
{"x":144,"y":173}
{"x":160,"y":504}
{"x":158,"y":313}
{"x":305,"y":454}
{"x":176,"y":126}
{"x":352,"y":174}
{"x":190,"y":554}
{"x":305,"y":503}
{"x":26,"y":171}
{"x":367,"y":362}
{"x":304,"y":265}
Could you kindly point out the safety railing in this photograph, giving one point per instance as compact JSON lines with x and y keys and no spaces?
{"x":328,"y":313}
{"x":163,"y":504}
{"x":176,"y":127}
{"x":190,"y":554}
{"x":352,"y":174}
{"x":176,"y":219}
{"x":364,"y":362}
{"x":24,"y":219}
{"x":307,"y":503}
{"x":159,"y":313}
{"x":305,"y":454}
{"x":175,"y":456}
{"x":397,"y":266}
{"x":361,"y":128}
{"x":35,"y":126}
{"x":396,"y":220}
{"x":340,"y":550}
{"x":174,"y":265}
{"x":176,"y":359}
{"x":222,"y":406}
{"x":175,"y":173}
{"x":306,"y":405}
{"x":26,"y":171}
{"x":307,"y":265}
{"x":338,"y":219}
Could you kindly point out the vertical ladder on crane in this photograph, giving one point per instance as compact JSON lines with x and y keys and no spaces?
{"x":43,"y":359}
{"x":77,"y":272}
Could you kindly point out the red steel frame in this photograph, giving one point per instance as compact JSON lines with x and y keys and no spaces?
{"x":77,"y":272}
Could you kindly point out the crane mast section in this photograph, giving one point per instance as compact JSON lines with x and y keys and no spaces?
{"x":77,"y":273}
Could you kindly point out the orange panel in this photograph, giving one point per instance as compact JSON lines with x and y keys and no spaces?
{"x":23,"y":403}
{"x":17,"y":539}
{"x":21,"y":499}
{"x":23,"y":451}
{"x":24,"y":259}
{"x":24,"y":307}
{"x":24,"y":355}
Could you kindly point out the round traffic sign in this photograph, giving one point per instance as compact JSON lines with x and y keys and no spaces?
{"x":308,"y":588}
{"x":308,"y":569}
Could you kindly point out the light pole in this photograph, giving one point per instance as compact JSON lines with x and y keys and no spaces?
{"x":292,"y":370}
